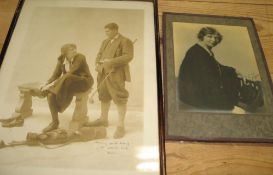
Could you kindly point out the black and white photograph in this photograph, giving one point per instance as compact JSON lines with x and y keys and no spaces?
{"x":74,"y":95}
{"x":216,"y":68}
{"x":216,"y":79}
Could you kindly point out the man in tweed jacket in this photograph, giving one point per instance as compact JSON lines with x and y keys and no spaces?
{"x":113,"y":58}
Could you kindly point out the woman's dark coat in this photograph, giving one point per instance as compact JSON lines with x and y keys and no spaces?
{"x":205,"y":83}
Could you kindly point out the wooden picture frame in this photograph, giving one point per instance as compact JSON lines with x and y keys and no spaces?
{"x":38,"y":35}
{"x":207,"y":116}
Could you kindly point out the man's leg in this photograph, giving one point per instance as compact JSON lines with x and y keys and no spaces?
{"x":105,"y":99}
{"x":120,"y":131}
{"x":105,"y":106}
{"x":52,"y":103}
{"x":103,"y":120}
{"x":119,"y":94}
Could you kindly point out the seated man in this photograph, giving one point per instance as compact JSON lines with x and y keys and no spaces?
{"x":71,"y":76}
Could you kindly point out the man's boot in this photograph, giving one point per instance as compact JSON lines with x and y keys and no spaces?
{"x":51,"y":98}
{"x":103,"y":120}
{"x":120,"y":130}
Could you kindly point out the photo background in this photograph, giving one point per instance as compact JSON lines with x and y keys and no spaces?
{"x":235,"y":49}
{"x":51,"y":27}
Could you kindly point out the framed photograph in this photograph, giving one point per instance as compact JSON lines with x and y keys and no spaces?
{"x":79,"y":89}
{"x":217,"y":86}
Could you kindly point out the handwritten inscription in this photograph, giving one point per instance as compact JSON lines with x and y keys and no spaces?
{"x":113,"y":147}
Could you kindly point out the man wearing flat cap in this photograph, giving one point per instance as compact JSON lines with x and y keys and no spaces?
{"x":71,"y":76}
{"x":112,"y":65}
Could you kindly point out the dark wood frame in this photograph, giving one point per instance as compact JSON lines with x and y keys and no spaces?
{"x":158,"y":70}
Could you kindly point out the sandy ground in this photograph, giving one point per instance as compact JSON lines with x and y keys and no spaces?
{"x":107,"y":154}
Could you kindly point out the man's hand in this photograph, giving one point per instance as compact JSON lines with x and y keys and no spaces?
{"x":44,"y":87}
{"x":107,"y":65}
{"x":99,"y":67}
{"x":105,"y":61}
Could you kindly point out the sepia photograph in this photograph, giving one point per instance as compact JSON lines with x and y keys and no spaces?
{"x":216,"y":79}
{"x":74,"y":95}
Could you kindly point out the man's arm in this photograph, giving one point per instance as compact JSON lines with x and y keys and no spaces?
{"x":98,"y":63}
{"x":56,"y":74}
{"x":102,"y":47}
{"x":126,"y":56}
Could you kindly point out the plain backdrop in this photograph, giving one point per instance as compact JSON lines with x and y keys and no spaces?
{"x":51,"y":27}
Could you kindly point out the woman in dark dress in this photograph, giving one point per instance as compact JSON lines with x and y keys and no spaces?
{"x":202,"y":81}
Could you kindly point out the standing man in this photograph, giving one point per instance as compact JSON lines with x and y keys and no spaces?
{"x":112,"y":65}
